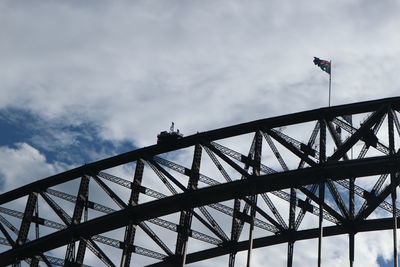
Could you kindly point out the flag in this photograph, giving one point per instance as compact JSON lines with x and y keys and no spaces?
{"x":348,"y":119}
{"x":323,"y":64}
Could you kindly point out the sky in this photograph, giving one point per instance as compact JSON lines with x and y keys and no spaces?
{"x":85,"y":80}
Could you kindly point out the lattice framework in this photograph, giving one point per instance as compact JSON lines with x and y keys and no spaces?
{"x":233,"y":189}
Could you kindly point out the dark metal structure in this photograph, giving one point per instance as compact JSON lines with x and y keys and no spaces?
{"x":240,"y":188}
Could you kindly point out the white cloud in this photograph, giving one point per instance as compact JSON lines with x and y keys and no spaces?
{"x":24,"y":164}
{"x":130,"y":68}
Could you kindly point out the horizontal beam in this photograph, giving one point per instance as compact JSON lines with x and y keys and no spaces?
{"x":205,"y":196}
{"x":244,"y":128}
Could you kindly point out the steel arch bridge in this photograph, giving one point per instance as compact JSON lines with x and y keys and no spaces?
{"x":272,"y":181}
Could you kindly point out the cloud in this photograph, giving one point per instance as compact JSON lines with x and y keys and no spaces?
{"x":126,"y":70}
{"x":23,"y":164}
{"x":132,"y":68}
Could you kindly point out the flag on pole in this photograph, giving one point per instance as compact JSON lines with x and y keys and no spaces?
{"x":348,"y":119}
{"x":323,"y":64}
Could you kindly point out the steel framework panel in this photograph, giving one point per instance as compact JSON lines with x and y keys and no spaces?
{"x":218,"y":183}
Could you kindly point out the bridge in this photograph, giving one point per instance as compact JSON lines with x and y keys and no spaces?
{"x":308,"y":175}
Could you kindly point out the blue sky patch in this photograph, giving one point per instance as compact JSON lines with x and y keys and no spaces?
{"x":71,"y":144}
{"x":383,"y":263}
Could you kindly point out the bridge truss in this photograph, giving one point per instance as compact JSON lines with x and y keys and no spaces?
{"x":273,"y":181}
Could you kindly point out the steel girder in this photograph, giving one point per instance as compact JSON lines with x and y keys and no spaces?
{"x":200,"y":197}
{"x":245,"y":177}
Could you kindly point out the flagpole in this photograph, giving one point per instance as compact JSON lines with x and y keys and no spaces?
{"x":330,"y":81}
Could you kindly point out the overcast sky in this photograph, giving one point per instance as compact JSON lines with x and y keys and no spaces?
{"x":84,"y":80}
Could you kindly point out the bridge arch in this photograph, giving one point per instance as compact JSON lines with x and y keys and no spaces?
{"x":205,"y":187}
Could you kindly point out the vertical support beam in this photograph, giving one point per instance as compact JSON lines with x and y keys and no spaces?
{"x":80,"y":255}
{"x":81,"y":199}
{"x":351,"y":249}
{"x":253,"y":198}
{"x":290,"y":254}
{"x":235,"y":228}
{"x":37,"y":221}
{"x":26,"y":220}
{"x":352,"y":217}
{"x":35,"y":260}
{"x":130,"y":229}
{"x":185,"y":220}
{"x":292,"y":217}
{"x":322,"y":159}
{"x":83,"y":242}
{"x":393,"y":180}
